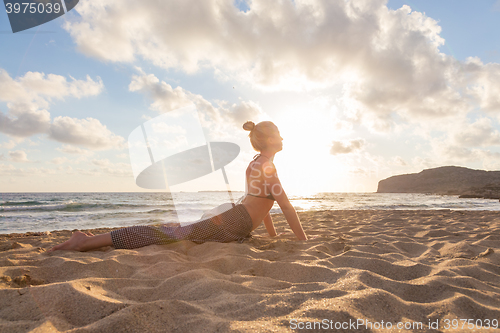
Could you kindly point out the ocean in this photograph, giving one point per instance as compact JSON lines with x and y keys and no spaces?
{"x":24,"y":212}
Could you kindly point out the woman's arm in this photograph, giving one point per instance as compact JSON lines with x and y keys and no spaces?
{"x":268,"y":222}
{"x":292,"y":218}
{"x":286,"y":207}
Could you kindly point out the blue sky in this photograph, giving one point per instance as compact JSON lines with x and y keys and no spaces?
{"x":361,"y":90}
{"x":468,"y":27}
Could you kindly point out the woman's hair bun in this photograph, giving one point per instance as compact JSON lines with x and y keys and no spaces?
{"x":248,"y":126}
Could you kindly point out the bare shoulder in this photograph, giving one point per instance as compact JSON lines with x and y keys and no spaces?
{"x":269,"y":168}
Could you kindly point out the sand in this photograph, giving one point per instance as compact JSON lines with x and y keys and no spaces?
{"x":375,"y":268}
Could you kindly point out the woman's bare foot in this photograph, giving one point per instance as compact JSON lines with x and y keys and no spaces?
{"x":75,"y":242}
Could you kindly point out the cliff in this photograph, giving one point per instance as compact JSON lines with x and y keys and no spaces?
{"x":446,"y":180}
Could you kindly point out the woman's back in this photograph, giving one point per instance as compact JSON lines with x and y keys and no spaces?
{"x":258,"y":192}
{"x":258,"y":172}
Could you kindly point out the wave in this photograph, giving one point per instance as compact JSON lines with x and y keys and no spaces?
{"x":159,"y":211}
{"x":67,"y":207}
{"x":21,"y":203}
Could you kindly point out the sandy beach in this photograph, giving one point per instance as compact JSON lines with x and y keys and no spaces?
{"x":393,"y":270}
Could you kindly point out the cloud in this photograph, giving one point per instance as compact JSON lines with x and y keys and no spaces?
{"x":59,"y":160}
{"x":347,"y":147}
{"x":269,"y":43}
{"x":68,"y":169}
{"x":446,"y":151}
{"x":74,"y":150}
{"x":87,"y":132}
{"x":110,"y":169}
{"x":491,"y":160}
{"x":18,"y":156}
{"x":102,"y":163}
{"x":24,"y":120}
{"x":11,"y":170}
{"x":8,"y":170}
{"x":57,"y":86}
{"x":118,"y":170}
{"x":159,"y":127}
{"x":480,"y":133}
{"x":388,"y":60}
{"x":39,"y":88}
{"x":398,"y":161}
{"x":486,"y":85}
{"x":10,"y":144}
{"x":28,"y":97}
{"x":165,"y":98}
{"x":240,"y":113}
{"x":461,"y":142}
{"x":93,"y":172}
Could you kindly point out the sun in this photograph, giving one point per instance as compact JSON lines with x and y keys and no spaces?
{"x":305,"y":166}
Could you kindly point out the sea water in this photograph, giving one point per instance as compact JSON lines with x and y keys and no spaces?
{"x":23,"y":212}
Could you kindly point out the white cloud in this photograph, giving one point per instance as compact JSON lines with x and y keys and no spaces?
{"x":28,"y":97}
{"x":445,"y":151}
{"x":86,"y":172}
{"x":165,"y":98}
{"x":461,"y":142}
{"x":87,"y":132}
{"x":18,"y":156}
{"x":24,"y":120}
{"x":11,"y":170}
{"x":118,"y":170}
{"x":159,"y":127}
{"x":68,"y":149}
{"x":347,"y":147}
{"x":108,"y":168}
{"x":398,"y":161}
{"x":33,"y":143}
{"x":59,"y":160}
{"x":56,"y":86}
{"x":68,"y":169}
{"x":486,"y":85}
{"x":458,"y":154}
{"x":491,"y":161}
{"x":8,"y":170}
{"x":480,"y":133}
{"x":389,"y":60}
{"x":240,"y":113}
{"x":10,"y":144}
{"x":101,"y":163}
{"x":39,"y":88}
{"x":270,"y":43}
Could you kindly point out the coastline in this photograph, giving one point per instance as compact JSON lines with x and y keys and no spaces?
{"x":372,"y":265}
{"x":52,"y":211}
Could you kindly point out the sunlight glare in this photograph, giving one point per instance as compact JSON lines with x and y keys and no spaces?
{"x":305,"y":165}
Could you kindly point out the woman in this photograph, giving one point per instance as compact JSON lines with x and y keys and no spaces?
{"x":263,"y":188}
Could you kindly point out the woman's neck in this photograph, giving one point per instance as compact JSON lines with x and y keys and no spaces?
{"x":267,"y":154}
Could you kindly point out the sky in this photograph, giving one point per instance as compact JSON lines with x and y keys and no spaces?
{"x":360,"y":90}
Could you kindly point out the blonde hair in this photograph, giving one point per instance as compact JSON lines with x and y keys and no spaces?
{"x":260,"y":133}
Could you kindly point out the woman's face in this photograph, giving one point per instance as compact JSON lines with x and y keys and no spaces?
{"x":276,"y":141}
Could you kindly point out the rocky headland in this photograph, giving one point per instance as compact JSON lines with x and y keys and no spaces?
{"x":449,"y":180}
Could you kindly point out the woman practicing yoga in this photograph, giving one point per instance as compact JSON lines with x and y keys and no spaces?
{"x":263,"y":187}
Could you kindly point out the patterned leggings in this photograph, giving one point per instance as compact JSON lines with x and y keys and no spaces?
{"x":233,"y":224}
